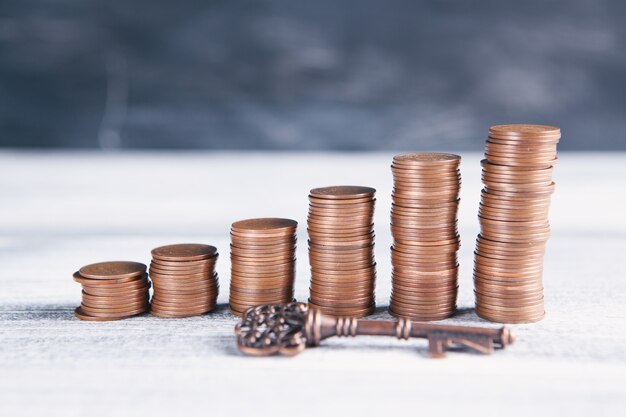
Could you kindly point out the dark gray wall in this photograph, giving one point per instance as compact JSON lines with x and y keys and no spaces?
{"x":323,"y":74}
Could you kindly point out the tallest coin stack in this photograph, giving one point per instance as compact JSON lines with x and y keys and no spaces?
{"x":517,"y":174}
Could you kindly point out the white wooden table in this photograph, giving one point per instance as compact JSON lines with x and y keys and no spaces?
{"x":59,"y":211}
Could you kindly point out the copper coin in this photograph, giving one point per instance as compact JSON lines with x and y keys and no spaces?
{"x":79,"y":314}
{"x":427,"y":158}
{"x":184,"y":264}
{"x":115,"y":314}
{"x":264,"y":225}
{"x":419,"y":315}
{"x":342,"y":203}
{"x":184,"y":252}
{"x":110,"y":286}
{"x":112,"y":270}
{"x":112,"y":300}
{"x":512,"y":319}
{"x":343,"y":192}
{"x":330,"y":306}
{"x":268,"y":291}
{"x":180,"y":271}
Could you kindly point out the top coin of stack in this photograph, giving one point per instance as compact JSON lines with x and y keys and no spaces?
{"x":341,"y":250}
{"x":112,"y":290}
{"x":263,"y":255}
{"x":513,"y":214}
{"x":184,"y":278}
{"x":424,"y":228}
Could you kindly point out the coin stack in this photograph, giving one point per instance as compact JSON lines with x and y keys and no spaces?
{"x":341,"y":250}
{"x":112,"y":291}
{"x":263,"y":262}
{"x":184,"y":279}
{"x":514,"y":228}
{"x":425,"y":202}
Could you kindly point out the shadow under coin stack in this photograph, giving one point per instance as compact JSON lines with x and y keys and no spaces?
{"x":341,"y":250}
{"x":514,"y":228}
{"x":263,"y":262}
{"x":184,"y":279}
{"x":113,"y":291}
{"x":425,"y":238}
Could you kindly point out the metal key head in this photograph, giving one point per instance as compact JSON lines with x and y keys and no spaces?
{"x":272,"y":329}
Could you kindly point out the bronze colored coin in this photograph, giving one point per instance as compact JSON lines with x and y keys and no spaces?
{"x":89,"y":281}
{"x":273,"y":260}
{"x":267,"y":291}
{"x":511,"y":304}
{"x":367,"y":282}
{"x":266,"y":277}
{"x":512,"y":272}
{"x":344,"y":303}
{"x":358,"y":313}
{"x":94,"y":309}
{"x":239,"y":308}
{"x":245,"y":298}
{"x":98,"y":292}
{"x":397,"y":311}
{"x":256,"y":285}
{"x":339,"y":222}
{"x":181,"y":271}
{"x":342,"y":287}
{"x":413,"y":242}
{"x":443,"y":207}
{"x":112,"y":270}
{"x":195,"y":276}
{"x":343,"y":192}
{"x":263,"y":225}
{"x":513,"y":311}
{"x":423,"y":296}
{"x":115,"y":314}
{"x":79,"y":314}
{"x":496,"y":318}
{"x":403,"y":201}
{"x":521,"y":147}
{"x":356,"y":290}
{"x":418,"y":250}
{"x":341,"y":266}
{"x":261,"y":241}
{"x":525,"y":130}
{"x":173,"y":294}
{"x":179,"y":314}
{"x":427,"y":158}
{"x":270,"y":252}
{"x":113,"y":300}
{"x":361,"y":259}
{"x":342,"y":203}
{"x":262,"y":275}
{"x":318,"y":232}
{"x":184,"y":252}
{"x":202,"y":286}
{"x":109,"y":286}
{"x":343,"y":307}
{"x":184,"y":264}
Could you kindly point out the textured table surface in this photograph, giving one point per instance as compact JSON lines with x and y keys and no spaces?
{"x":59,"y":211}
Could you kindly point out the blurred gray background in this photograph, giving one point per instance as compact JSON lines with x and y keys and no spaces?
{"x":323,"y":74}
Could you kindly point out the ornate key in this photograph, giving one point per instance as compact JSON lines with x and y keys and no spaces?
{"x":287,"y":329}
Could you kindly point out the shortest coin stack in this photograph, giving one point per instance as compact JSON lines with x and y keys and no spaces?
{"x":263,"y":255}
{"x":184,"y":279}
{"x":112,"y":291}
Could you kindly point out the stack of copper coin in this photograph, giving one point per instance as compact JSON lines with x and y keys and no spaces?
{"x":517,"y":174}
{"x":341,"y":250}
{"x":425,"y":238}
{"x":184,"y":279}
{"x":263,"y":262}
{"x":113,"y":291}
